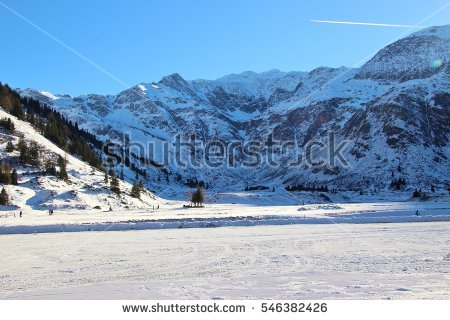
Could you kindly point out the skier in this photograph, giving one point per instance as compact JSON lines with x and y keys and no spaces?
{"x":20,"y":214}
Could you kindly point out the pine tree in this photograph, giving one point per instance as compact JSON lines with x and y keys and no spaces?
{"x":201,"y":196}
{"x":23,"y":149}
{"x":114,"y":186}
{"x":4,"y":198}
{"x":194,"y":198}
{"x":5,"y":173}
{"x":14,"y":177}
{"x":9,"y":147}
{"x":7,"y":124}
{"x":197,"y":197}
{"x":5,"y":102}
{"x":135,"y":191}
{"x":50,"y":168}
{"x":34,"y":153}
{"x":18,"y":112}
{"x":62,"y":168}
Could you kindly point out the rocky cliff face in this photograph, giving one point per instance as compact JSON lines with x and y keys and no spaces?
{"x":394,"y":112}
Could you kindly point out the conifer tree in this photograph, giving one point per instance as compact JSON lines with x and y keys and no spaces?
{"x":7,"y":124}
{"x":34,"y":153}
{"x":114,"y":186}
{"x":5,"y":102}
{"x":18,"y":111}
{"x":14,"y":177}
{"x":5,"y":173}
{"x":9,"y":147}
{"x":23,"y":149}
{"x":62,"y":162}
{"x":135,"y":191}
{"x":50,"y":168}
{"x":4,"y":198}
{"x":197,"y":197}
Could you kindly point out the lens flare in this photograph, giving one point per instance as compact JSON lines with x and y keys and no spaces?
{"x":437,"y":63}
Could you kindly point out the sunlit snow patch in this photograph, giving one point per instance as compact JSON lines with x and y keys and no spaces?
{"x":49,"y":95}
{"x":142,"y":87}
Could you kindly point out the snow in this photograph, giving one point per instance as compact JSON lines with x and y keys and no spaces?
{"x":345,"y":261}
{"x":171,"y":214}
{"x":262,"y":244}
{"x":84,"y":190}
{"x":294,"y":106}
{"x":142,"y":87}
{"x":441,"y":31}
{"x":49,"y":95}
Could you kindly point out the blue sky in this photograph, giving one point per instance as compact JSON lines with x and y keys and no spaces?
{"x":141,"y":41}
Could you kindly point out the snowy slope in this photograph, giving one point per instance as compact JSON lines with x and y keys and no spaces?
{"x":84,"y":190}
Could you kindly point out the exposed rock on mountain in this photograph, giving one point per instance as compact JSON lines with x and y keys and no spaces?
{"x":394,"y":112}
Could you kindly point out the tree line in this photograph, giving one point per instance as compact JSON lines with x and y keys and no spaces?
{"x":300,"y":187}
{"x":51,"y":124}
{"x":54,"y":126}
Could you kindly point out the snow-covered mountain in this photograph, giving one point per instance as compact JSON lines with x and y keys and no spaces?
{"x":394,"y":111}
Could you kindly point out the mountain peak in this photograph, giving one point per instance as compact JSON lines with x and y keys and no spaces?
{"x":418,"y":56}
{"x":436,"y":31}
{"x":172,"y":78}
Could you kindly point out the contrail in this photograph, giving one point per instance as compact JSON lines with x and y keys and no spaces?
{"x":367,"y":24}
{"x":65,"y":45}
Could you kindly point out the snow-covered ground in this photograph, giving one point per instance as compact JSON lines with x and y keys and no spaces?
{"x":339,"y":261}
{"x":172,"y":214}
{"x":301,"y":244}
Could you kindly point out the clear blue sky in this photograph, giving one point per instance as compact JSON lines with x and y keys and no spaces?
{"x":141,"y":41}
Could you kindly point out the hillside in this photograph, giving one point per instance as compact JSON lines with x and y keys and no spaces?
{"x":36,"y":190}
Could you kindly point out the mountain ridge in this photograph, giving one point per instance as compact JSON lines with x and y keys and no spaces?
{"x":366,"y":105}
